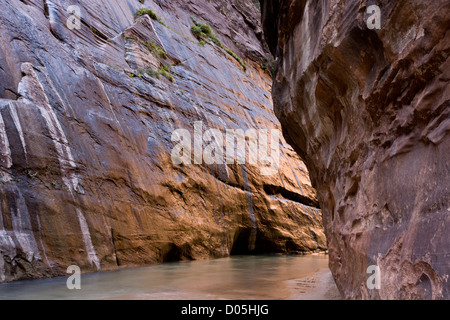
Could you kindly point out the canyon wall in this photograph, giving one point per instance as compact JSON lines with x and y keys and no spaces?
{"x":368,"y":110}
{"x":86,"y":122}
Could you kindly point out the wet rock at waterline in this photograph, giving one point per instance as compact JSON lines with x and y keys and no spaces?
{"x":86,"y":123}
{"x":368,"y":110}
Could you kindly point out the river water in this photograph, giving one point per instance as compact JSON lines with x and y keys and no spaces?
{"x":238,"y":278}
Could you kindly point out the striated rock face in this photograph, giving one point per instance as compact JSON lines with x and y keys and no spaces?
{"x":86,"y":140}
{"x":368,"y":109}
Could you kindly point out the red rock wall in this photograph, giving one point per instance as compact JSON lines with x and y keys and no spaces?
{"x":368,"y":110}
{"x":85,"y":140}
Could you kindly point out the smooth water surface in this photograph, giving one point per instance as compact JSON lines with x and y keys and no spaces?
{"x":238,"y":277}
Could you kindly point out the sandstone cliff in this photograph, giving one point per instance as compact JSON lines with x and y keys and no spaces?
{"x":86,"y":119}
{"x":368,"y":109}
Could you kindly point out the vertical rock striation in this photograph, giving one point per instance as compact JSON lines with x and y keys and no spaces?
{"x":368,"y":110}
{"x":85,"y":139}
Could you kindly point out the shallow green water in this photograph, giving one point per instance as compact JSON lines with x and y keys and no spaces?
{"x":238,"y":277}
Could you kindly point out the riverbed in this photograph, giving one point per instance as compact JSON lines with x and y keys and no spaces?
{"x":267,"y":277}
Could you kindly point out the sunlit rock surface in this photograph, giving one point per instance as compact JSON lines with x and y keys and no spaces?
{"x":85,"y":155}
{"x":369,"y":112}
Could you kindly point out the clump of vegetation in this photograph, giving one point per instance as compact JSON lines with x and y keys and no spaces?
{"x":142,"y":1}
{"x":164,"y":70}
{"x":204,"y":33}
{"x":235,"y":56}
{"x":155,"y":49}
{"x":129,"y":39}
{"x":143,"y":12}
{"x":149,"y":71}
{"x":150,"y":13}
{"x":269,"y":66}
{"x":151,"y":47}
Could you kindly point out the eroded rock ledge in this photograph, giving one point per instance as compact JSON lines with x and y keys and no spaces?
{"x":369,"y":112}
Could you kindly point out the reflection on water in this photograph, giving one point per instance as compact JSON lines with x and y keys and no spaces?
{"x":238,"y":277}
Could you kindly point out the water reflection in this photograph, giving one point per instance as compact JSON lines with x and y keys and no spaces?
{"x":238,"y":277}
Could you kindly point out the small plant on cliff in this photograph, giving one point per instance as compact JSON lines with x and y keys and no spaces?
{"x":164,"y":70}
{"x":204,"y":32}
{"x":197,"y":32}
{"x":150,"y":72}
{"x":143,"y":12}
{"x":150,"y":13}
{"x":235,"y":56}
{"x":268,"y":65}
{"x":155,"y":49}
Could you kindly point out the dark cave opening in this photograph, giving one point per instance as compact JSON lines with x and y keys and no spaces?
{"x":242,"y":243}
{"x":173,"y":253}
{"x":248,"y":241}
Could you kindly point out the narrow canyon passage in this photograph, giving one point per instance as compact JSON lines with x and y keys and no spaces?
{"x":138,"y":133}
